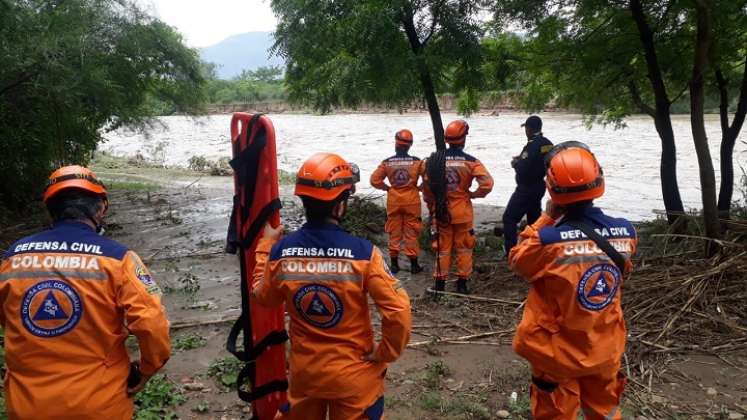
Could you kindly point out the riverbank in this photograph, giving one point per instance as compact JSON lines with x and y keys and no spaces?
{"x":459,"y":363}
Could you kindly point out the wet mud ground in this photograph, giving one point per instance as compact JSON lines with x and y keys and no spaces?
{"x":459,"y":364}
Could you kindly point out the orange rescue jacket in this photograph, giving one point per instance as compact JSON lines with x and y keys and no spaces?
{"x":461,"y":170}
{"x":69,"y":300}
{"x":403,"y":172}
{"x":573,"y":322}
{"x":325,"y":276}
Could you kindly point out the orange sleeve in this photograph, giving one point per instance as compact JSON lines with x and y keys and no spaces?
{"x":484,"y":180}
{"x":530,"y":258}
{"x":140,"y":298}
{"x":265,"y":289}
{"x":378,"y":176}
{"x":394,"y":306}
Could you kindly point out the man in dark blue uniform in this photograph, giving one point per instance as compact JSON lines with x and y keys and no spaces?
{"x":530,"y":181}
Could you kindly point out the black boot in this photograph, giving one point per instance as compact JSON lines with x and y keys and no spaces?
{"x":462,"y":286}
{"x":439,"y":286}
{"x":395,"y":265}
{"x":415,"y":268}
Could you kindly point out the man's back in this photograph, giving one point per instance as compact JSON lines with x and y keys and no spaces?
{"x":530,"y":165}
{"x":575,"y":295}
{"x":461,"y":170}
{"x":326,"y":275}
{"x":68,"y":298}
{"x":402,"y":171}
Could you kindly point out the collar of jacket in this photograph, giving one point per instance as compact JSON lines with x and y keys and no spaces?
{"x":73,"y":224}
{"x":321,"y":226}
{"x":534,"y":136}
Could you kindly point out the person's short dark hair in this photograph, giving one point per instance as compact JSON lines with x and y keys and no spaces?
{"x":74,"y":204}
{"x":401,"y":148}
{"x":318,"y":210}
{"x":534,"y":123}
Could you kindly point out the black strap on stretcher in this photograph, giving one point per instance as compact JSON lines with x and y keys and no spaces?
{"x":246,"y":170}
{"x":602,"y":243}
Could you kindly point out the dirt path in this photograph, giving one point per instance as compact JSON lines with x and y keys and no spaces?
{"x":176,"y":221}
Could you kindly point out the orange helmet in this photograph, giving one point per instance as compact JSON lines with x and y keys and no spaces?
{"x":403,"y":138}
{"x":456,"y":132}
{"x":73,"y":177}
{"x":573,"y":173}
{"x":324,"y":176}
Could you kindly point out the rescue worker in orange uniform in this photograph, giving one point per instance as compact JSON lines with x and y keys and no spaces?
{"x":325,"y":276}
{"x":403,"y":217}
{"x":573,"y":331}
{"x":458,"y":235}
{"x":70,"y":298}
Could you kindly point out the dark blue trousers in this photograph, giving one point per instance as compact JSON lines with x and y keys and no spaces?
{"x":524,"y":201}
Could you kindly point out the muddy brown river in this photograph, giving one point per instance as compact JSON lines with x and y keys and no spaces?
{"x":630,"y":156}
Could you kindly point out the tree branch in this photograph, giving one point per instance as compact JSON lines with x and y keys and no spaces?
{"x":739,"y":115}
{"x":18,"y":82}
{"x":652,"y":61}
{"x":723,"y":105}
{"x":408,"y":23}
{"x":635,"y":93}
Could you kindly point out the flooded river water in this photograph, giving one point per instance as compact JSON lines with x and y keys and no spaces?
{"x":630,"y":156}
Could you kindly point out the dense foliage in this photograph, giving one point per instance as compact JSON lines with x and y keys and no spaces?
{"x":350,"y":52}
{"x":262,"y":84}
{"x":71,"y":69}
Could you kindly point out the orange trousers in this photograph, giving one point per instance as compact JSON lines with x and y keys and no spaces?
{"x":597,"y":396}
{"x":365,"y":406}
{"x":404,"y":221}
{"x":459,"y":238}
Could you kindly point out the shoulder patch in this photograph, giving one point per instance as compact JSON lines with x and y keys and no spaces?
{"x":144,"y":276}
{"x":546,"y":148}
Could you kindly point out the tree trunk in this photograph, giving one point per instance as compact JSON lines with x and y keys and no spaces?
{"x":668,"y":166}
{"x":697,"y":122}
{"x":729,"y":136}
{"x":426,"y":81}
{"x":433,"y":109}
{"x":662,"y":118}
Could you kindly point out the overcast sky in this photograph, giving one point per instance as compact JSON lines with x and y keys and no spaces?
{"x":206,"y":22}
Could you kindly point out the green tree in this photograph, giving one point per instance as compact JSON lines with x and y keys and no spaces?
{"x":349,"y":52}
{"x":71,"y":69}
{"x":611,"y":59}
{"x":263,"y":74}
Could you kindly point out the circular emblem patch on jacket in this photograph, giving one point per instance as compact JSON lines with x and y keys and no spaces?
{"x":598,"y":286}
{"x":318,"y":305}
{"x":51,"y":308}
{"x":401,"y":177}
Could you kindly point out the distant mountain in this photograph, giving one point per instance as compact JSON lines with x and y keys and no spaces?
{"x":250,"y":51}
